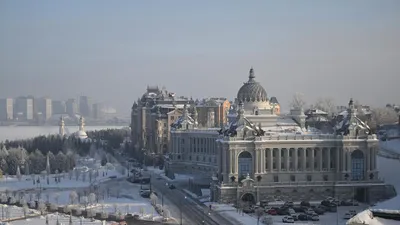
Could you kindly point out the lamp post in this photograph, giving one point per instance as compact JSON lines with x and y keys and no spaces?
{"x":180,"y":210}
{"x":162,"y":197}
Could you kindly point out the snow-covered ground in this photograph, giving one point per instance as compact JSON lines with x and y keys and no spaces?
{"x":63,"y":219}
{"x":392,"y":145}
{"x":112,"y":195}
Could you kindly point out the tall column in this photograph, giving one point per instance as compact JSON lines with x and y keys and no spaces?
{"x":374,"y":159}
{"x":279,"y":160}
{"x":320,"y":158}
{"x":296,"y":159}
{"x":255,"y":159}
{"x":303,"y":159}
{"x":368,"y":159}
{"x":236,"y":164}
{"x":344,"y":159}
{"x":263,"y":165}
{"x":287,"y":163}
{"x":271,"y":160}
{"x":328,"y":157}
{"x":349,"y":161}
{"x":337,"y":160}
{"x":312,"y":161}
{"x":232,"y":159}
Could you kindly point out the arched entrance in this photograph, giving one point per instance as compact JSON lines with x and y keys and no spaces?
{"x":248,"y":198}
{"x":245,"y":164}
{"x":357,"y":165}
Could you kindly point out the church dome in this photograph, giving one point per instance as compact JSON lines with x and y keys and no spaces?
{"x":252,"y":91}
{"x":81,"y":134}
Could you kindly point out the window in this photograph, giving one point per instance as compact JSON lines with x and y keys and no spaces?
{"x":274,"y":166}
{"x":309,"y":178}
{"x":179,"y":156}
{"x":172,"y":118}
{"x":190,"y":158}
{"x":326,"y":178}
{"x":276,"y":179}
{"x":292,"y":178}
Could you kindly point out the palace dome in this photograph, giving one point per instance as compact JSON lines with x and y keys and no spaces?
{"x":252,"y":91}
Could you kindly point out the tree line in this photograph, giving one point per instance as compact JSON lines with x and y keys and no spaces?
{"x":31,"y":154}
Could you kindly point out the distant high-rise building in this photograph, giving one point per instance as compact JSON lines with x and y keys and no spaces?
{"x":98,"y":112}
{"x":6,"y":109}
{"x":59,"y":107}
{"x":85,"y":107}
{"x":23,"y":108}
{"x":44,"y":108}
{"x":72,"y":107}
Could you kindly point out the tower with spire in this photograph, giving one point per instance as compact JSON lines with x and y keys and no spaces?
{"x":61,"y":124}
{"x":81,"y":124}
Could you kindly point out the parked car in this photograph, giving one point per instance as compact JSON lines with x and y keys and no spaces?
{"x":272,"y":212}
{"x":302,"y":217}
{"x":287,"y":219}
{"x":289,"y":204}
{"x":171,"y":186}
{"x":248,"y":210}
{"x":305,"y":203}
{"x":313,"y":217}
{"x":263,"y":203}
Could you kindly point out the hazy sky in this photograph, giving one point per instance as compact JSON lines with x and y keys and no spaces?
{"x":111,"y":50}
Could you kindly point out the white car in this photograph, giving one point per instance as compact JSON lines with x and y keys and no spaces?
{"x":288,"y":219}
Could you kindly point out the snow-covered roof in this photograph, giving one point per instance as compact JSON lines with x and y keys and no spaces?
{"x":374,"y":217}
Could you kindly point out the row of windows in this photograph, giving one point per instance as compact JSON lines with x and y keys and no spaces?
{"x":293,"y":178}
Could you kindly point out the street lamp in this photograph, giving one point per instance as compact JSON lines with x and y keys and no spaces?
{"x":162,"y":197}
{"x":204,"y":216}
{"x":180,"y":209}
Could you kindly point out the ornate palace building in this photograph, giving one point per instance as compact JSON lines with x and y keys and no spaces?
{"x":151,"y":118}
{"x":261,"y":154}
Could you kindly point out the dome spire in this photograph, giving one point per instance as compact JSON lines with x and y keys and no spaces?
{"x":251,"y":74}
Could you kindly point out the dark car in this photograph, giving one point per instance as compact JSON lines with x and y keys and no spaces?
{"x":289,"y":204}
{"x":145,"y":194}
{"x":302,"y":217}
{"x":248,"y":210}
{"x":305,"y":203}
{"x":171,"y":186}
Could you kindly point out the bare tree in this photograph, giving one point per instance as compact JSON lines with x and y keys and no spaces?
{"x":298,"y":101}
{"x":85,"y":201}
{"x":72,"y":197}
{"x":41,"y":207}
{"x":25,"y":210}
{"x":326,"y":104}
{"x":56,"y":197}
{"x":92,"y":198}
{"x":383,"y":116}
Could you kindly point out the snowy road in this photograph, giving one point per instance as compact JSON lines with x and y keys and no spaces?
{"x":192,"y":212}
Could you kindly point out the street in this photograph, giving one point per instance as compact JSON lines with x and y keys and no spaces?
{"x":179,"y":203}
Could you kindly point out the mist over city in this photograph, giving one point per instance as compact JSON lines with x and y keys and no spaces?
{"x":199,"y":112}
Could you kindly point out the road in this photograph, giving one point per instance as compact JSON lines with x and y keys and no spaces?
{"x":192,"y":212}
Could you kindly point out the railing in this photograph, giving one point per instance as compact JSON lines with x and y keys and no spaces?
{"x":303,"y":137}
{"x":304,"y":183}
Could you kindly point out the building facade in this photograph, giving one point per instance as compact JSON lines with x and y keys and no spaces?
{"x":6,"y":109}
{"x":212,"y":111}
{"x":261,"y":155}
{"x":44,"y":108}
{"x":59,"y":107}
{"x":71,"y":107}
{"x":85,"y":106}
{"x":23,"y":108}
{"x":151,"y":117}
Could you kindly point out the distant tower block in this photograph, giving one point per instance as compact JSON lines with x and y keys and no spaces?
{"x":61,"y":125}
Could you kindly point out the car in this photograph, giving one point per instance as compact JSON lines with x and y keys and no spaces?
{"x":289,"y":204}
{"x":171,"y":186}
{"x":272,"y":212}
{"x":291,"y":211}
{"x":313,"y":217}
{"x":302,"y":217}
{"x":287,"y":219}
{"x":248,"y":210}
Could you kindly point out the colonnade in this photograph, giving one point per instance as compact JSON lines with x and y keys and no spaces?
{"x":271,"y":160}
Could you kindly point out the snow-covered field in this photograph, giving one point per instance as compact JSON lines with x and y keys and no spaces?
{"x":63,"y":219}
{"x":105,"y":192}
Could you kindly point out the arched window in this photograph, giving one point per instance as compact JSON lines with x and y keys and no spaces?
{"x":357,"y":165}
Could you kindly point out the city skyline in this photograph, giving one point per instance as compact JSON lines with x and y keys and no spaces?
{"x":341,"y":49}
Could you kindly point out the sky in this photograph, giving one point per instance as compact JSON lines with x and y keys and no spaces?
{"x":111,"y":50}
